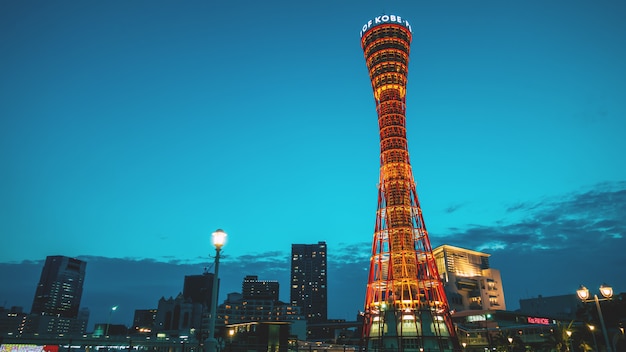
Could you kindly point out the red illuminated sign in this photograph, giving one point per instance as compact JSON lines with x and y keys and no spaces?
{"x":543,"y":321}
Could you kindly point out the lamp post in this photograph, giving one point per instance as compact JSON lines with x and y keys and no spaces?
{"x":510,"y":343}
{"x":113,"y":309}
{"x":219,"y":238}
{"x":570,"y":347}
{"x":593,"y":334}
{"x":607,"y":293}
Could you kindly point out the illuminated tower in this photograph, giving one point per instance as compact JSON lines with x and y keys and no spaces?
{"x":405,"y":305}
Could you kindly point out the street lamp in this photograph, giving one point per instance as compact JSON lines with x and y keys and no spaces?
{"x":607,"y":293}
{"x":593,"y":334}
{"x":113,"y":309}
{"x":219,"y":238}
{"x":510,"y":343}
{"x":570,"y":347}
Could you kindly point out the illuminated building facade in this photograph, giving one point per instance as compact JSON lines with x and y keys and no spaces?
{"x":469,"y":282}
{"x":257,"y":302}
{"x":60,"y":287}
{"x":308,"y":280}
{"x":253,"y":288}
{"x":405,"y":305}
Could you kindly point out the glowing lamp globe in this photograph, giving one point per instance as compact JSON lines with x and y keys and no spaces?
{"x":219,"y":238}
{"x":606,"y":291}
{"x":583,"y":293}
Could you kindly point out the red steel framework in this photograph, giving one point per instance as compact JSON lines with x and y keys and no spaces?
{"x":405,"y":305}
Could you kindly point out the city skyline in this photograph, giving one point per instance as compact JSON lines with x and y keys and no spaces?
{"x":129,"y":131}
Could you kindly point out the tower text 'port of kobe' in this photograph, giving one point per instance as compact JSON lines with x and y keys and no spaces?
{"x":405,"y":305}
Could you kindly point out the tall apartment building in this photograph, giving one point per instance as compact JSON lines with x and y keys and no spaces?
{"x":309,"y":280}
{"x":55,"y":308}
{"x":469,"y":282}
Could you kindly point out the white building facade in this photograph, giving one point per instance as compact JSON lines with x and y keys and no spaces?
{"x":469,"y":282}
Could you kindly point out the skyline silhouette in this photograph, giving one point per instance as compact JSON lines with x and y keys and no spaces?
{"x":130,"y":130}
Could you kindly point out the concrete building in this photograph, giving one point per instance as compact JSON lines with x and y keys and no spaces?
{"x":559,"y":307}
{"x":469,"y":282}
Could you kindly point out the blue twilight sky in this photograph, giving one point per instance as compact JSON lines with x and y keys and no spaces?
{"x":131,"y":129}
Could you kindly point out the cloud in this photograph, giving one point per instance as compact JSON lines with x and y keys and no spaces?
{"x":560,"y":243}
{"x":454,"y":207}
{"x":575,"y":221}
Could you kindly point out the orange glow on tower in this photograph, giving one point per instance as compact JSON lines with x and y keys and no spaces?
{"x":405,"y":305}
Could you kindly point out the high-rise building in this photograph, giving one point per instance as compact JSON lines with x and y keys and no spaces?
{"x":405,"y":305}
{"x":60,"y":287}
{"x":253,"y":288}
{"x":469,"y":282}
{"x":309,"y":280}
{"x":56,"y":304}
{"x":198,"y":289}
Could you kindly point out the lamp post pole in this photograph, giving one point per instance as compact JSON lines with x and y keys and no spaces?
{"x":607,"y":292}
{"x":113,"y":309}
{"x":593,"y":334}
{"x":570,"y":347}
{"x":606,"y":336}
{"x":219,"y":237}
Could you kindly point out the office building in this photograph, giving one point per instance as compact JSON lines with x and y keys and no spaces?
{"x":60,"y":287}
{"x":56,"y":306}
{"x":309,"y":289}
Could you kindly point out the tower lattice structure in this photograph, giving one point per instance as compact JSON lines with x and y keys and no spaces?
{"x":405,"y":305}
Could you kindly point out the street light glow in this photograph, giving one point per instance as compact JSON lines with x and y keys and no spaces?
{"x":583,"y":293}
{"x":219,"y":238}
{"x":606,"y":291}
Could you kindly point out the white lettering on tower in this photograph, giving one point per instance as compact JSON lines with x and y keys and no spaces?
{"x":385,"y":19}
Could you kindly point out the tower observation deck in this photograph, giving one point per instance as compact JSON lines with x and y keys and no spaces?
{"x":405,"y":305}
